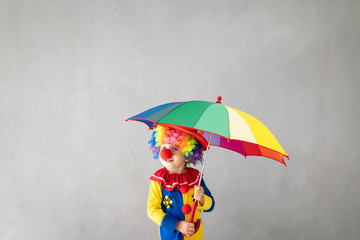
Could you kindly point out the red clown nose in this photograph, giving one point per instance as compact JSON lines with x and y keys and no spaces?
{"x":166,"y":154}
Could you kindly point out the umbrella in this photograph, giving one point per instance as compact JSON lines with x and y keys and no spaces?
{"x":220,"y":125}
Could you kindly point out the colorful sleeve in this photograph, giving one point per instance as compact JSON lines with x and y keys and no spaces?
{"x":209,"y":199}
{"x":155,"y":211}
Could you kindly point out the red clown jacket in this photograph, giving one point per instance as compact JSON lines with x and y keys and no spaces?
{"x":170,"y":200}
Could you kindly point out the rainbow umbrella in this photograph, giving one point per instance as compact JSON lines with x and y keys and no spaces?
{"x":220,"y":125}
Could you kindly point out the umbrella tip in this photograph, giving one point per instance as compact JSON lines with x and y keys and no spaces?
{"x":219,"y":99}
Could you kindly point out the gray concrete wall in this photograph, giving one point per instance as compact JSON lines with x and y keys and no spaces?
{"x":71,"y":72}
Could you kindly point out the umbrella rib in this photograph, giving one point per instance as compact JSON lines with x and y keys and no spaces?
{"x":139,"y":120}
{"x":244,"y":148}
{"x":228,"y":117}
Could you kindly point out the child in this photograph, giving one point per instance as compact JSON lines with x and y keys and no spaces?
{"x":174,"y":187}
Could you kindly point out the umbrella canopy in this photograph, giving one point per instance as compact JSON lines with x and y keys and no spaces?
{"x":230,"y":128}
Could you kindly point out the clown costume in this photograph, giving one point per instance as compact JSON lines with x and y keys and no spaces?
{"x":174,"y":188}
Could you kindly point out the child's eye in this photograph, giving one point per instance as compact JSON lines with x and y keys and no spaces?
{"x":175,"y":149}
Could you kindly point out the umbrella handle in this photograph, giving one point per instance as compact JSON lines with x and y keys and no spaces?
{"x":191,"y":220}
{"x":193,"y":209}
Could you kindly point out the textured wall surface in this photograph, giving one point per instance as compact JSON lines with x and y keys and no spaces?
{"x":71,"y":72}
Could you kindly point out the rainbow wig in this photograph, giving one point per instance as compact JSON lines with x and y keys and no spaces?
{"x":186,"y":143}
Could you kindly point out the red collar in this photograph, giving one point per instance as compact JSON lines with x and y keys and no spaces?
{"x":182,"y":181}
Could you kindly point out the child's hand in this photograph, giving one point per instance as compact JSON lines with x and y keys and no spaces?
{"x":199,"y":195}
{"x":185,"y":227}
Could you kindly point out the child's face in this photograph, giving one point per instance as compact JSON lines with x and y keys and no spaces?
{"x":176,"y":164}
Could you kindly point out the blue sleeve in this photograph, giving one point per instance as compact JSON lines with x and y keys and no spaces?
{"x":169,"y":222}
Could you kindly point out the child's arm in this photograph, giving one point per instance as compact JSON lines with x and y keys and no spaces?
{"x":155,"y":211}
{"x":199,"y":195}
{"x":185,"y":227}
{"x":203,"y":195}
